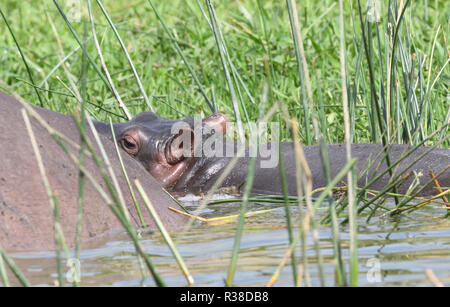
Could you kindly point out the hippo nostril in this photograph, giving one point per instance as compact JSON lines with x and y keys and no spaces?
{"x":174,"y":150}
{"x":174,"y":154}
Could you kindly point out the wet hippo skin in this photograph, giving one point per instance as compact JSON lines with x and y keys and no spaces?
{"x":148,"y":136}
{"x":199,"y":177}
{"x":26,"y":219}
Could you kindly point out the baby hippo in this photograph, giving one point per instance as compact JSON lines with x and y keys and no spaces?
{"x":189,"y":155}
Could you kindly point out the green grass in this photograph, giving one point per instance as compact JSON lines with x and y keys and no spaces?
{"x":252,"y":33}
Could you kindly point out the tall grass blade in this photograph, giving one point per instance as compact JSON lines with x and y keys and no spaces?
{"x":350,"y":176}
{"x":53,"y":200}
{"x":301,"y":65}
{"x":221,"y":48}
{"x":125,"y":51}
{"x":181,"y":54}
{"x":106,"y":71}
{"x":15,"y":270}
{"x":383,"y":125}
{"x":164,"y":233}
{"x":127,"y":179}
{"x":3,"y":274}
{"x":248,"y":187}
{"x":83,"y":47}
{"x":114,"y":205}
{"x":30,"y":75}
{"x":81,"y":179}
{"x":287,"y":207}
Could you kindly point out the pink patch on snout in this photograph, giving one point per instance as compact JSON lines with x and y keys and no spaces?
{"x":169,"y":174}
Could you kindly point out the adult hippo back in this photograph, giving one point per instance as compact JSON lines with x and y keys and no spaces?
{"x":26,"y":219}
{"x":153,"y":141}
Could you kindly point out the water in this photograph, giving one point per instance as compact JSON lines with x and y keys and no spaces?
{"x":392,"y":252}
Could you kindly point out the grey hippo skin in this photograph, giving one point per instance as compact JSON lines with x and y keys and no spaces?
{"x":149,"y":139}
{"x":26,"y":220}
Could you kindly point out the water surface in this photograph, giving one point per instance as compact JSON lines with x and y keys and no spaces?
{"x":392,"y":252}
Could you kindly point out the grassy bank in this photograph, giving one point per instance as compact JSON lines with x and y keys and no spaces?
{"x":255,"y":32}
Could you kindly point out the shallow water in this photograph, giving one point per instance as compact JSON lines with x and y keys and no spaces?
{"x":402,"y":249}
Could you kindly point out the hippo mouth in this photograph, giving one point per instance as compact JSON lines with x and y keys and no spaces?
{"x":169,"y":174}
{"x":173,"y":158}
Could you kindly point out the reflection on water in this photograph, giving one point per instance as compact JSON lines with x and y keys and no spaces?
{"x":402,"y":249}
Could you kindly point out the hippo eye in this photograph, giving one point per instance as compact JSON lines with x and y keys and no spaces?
{"x":130,"y":145}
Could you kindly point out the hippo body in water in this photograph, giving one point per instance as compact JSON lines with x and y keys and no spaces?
{"x":26,"y":219}
{"x":268,"y":180}
{"x":150,"y":139}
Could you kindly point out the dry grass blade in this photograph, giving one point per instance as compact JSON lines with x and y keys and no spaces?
{"x":283,"y":262}
{"x":220,"y":219}
{"x":303,"y":176}
{"x":434,"y":280}
{"x":438,"y":186}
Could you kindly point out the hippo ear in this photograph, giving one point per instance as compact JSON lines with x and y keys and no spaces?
{"x":218,"y":122}
{"x":131,"y":141}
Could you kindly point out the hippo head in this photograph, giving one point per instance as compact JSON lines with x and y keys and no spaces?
{"x":163,"y":146}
